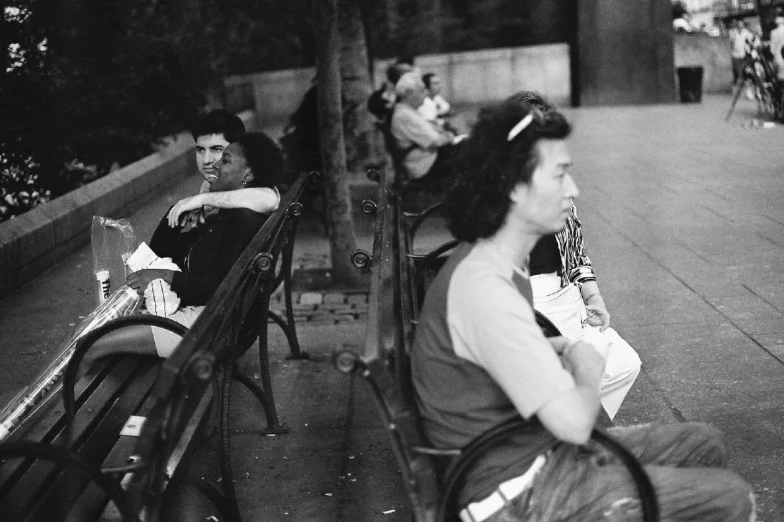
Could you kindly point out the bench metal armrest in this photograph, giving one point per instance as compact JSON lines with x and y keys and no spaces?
{"x":66,"y":457}
{"x":86,"y":342}
{"x":492,"y":437}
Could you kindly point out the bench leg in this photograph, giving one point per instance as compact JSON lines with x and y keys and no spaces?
{"x":289,"y":326}
{"x":227,"y":475}
{"x":267,"y":403}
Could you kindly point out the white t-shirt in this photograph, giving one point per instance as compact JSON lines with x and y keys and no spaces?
{"x":428,"y":109}
{"x":738,"y":40}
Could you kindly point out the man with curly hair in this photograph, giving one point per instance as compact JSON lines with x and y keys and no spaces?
{"x":480,"y":359}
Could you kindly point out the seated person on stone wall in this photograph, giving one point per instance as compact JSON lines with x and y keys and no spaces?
{"x":204,"y":253}
{"x":424,"y":150}
{"x":479,"y":357}
{"x":212,"y":134}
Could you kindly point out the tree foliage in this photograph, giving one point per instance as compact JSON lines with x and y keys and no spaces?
{"x":406,"y":28}
{"x":88,"y":85}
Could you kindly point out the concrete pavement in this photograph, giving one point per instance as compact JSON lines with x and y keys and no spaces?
{"x":684,"y":223}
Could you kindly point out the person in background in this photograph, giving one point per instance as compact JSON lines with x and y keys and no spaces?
{"x":434,"y":107}
{"x":480,"y":359}
{"x":382,"y":101}
{"x":777,"y":46}
{"x":740,"y":39}
{"x":561,"y":259}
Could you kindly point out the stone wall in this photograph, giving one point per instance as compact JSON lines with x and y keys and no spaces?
{"x":470,"y":77}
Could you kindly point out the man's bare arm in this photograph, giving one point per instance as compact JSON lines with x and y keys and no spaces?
{"x":571,"y":416}
{"x":258,"y":199}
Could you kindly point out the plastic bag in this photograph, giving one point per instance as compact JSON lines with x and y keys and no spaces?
{"x":113,"y":242}
{"x":122,"y":302}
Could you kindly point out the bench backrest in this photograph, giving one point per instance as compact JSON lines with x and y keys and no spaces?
{"x":59,"y":455}
{"x":398,"y":280}
{"x":391,"y":315}
{"x":384,"y":364}
{"x":212,"y":344}
{"x":400,"y":178}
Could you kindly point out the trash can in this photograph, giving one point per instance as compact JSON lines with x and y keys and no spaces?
{"x":690,"y":83}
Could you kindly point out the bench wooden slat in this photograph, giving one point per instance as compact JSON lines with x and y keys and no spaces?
{"x":94,"y":501}
{"x":69,"y":483}
{"x":45,"y":422}
{"x":175,"y":395}
{"x":53,"y":433}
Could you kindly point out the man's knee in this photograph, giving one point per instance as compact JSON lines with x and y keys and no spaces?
{"x":711,"y":450}
{"x":736,"y":497}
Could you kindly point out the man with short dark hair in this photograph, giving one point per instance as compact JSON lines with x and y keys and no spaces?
{"x":479,"y":358}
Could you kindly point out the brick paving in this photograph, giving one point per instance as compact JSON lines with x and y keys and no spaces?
{"x":325,"y":307}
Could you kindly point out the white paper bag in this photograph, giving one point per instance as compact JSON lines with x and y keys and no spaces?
{"x":159,"y":299}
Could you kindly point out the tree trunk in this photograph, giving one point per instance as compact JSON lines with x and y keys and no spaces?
{"x":363,"y":146}
{"x":434,"y":12}
{"x":392,"y":18}
{"x":333,"y":155}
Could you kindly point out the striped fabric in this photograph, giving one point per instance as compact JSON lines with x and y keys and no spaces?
{"x":574,"y":258}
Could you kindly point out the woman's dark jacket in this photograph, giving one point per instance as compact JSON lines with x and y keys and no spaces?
{"x":205,"y":254}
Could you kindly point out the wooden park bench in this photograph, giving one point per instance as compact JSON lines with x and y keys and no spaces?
{"x":398,"y":280}
{"x":70,"y":462}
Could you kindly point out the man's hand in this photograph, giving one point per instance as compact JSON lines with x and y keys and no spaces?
{"x":560,"y":343}
{"x":594,"y":304}
{"x":190,"y":204}
{"x":141,"y":278}
{"x":583,"y":361}
{"x":598,"y":314}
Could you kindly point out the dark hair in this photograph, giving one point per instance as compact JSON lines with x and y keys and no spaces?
{"x":396,"y":70}
{"x":489,"y":166}
{"x":264,"y":158}
{"x":219,"y":122}
{"x":533,"y":99}
{"x":427,"y":77}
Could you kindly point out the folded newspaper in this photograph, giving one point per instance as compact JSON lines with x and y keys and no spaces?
{"x":159,"y":299}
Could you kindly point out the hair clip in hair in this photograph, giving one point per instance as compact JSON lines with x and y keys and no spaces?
{"x":520,"y":127}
